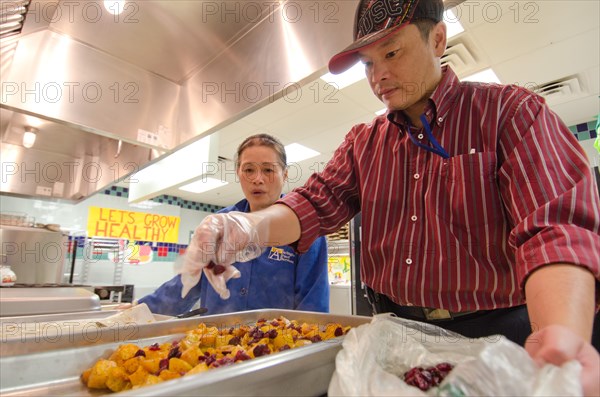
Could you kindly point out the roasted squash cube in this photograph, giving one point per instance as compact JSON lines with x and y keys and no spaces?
{"x":117,"y":379}
{"x":86,"y":375}
{"x":191,"y":355}
{"x":197,"y":369}
{"x":152,"y":365}
{"x":132,"y":364}
{"x":167,"y":374}
{"x":99,"y":374}
{"x":139,"y":376}
{"x":178,"y":365}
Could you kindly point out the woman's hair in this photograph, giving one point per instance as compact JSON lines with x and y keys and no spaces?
{"x":262,"y":140}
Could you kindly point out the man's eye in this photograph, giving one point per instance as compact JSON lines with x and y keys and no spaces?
{"x":391,"y":54}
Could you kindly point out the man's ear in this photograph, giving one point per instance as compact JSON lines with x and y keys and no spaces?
{"x":439,"y":39}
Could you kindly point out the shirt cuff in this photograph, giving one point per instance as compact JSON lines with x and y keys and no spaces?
{"x":568,"y":246}
{"x":307,"y":215}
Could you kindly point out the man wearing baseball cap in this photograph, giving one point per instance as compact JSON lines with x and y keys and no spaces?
{"x":479,"y":208}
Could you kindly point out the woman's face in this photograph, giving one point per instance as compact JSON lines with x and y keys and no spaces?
{"x":261,"y":176}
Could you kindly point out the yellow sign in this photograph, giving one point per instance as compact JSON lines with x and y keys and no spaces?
{"x":109,"y":222}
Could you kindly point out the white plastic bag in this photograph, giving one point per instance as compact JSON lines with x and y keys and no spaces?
{"x":375,"y":356}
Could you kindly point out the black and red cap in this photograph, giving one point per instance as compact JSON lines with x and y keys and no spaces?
{"x":377,"y":19}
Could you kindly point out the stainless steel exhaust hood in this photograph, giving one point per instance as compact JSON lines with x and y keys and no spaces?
{"x":117,"y":90}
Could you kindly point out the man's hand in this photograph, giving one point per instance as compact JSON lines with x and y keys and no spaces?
{"x":557,"y":344}
{"x":218,"y":242}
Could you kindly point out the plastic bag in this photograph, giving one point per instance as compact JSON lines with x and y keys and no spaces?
{"x":375,"y":357}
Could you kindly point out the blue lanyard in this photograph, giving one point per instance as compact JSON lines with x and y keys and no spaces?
{"x":437,"y":148}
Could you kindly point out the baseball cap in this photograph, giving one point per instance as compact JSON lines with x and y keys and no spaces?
{"x":377,"y":19}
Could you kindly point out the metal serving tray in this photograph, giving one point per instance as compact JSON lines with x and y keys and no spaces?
{"x":40,"y":366}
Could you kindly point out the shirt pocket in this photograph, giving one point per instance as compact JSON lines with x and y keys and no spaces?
{"x":469,"y":191}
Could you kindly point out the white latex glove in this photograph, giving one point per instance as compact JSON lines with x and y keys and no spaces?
{"x":219,"y":241}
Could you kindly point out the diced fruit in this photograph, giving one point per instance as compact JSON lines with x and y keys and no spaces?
{"x":261,"y":350}
{"x":426,"y":378}
{"x":178,"y":365}
{"x":132,"y":364}
{"x":151,"y":366}
{"x":139,"y":376}
{"x":140,"y":353}
{"x":168,"y":374}
{"x":117,"y":379}
{"x":124,"y":353}
{"x":191,"y":355}
{"x":85,"y":376}
{"x":152,"y":380}
{"x":99,"y":374}
{"x":207,"y":347}
{"x":218,"y":269}
{"x":197,"y":369}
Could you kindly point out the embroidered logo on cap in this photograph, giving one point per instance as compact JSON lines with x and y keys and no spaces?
{"x":380,"y":15}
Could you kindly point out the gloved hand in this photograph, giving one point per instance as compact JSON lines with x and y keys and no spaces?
{"x":219,"y":241}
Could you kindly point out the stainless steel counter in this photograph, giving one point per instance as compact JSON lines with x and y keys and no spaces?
{"x":33,"y":301}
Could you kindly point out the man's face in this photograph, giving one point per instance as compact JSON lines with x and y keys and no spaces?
{"x":404,"y":69}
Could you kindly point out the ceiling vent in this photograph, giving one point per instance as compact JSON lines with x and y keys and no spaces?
{"x":461,"y":56}
{"x":567,"y":86}
{"x":12,"y":17}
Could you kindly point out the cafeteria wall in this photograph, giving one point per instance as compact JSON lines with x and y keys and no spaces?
{"x":73,"y":218}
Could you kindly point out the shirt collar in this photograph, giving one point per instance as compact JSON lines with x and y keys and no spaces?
{"x":440,"y":101}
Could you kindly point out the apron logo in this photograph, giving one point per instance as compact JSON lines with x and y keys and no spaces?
{"x":279,"y":254}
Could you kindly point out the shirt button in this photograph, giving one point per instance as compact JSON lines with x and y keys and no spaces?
{"x":440,"y":119}
{"x":414,"y":219}
{"x":408,"y":304}
{"x":408,"y":261}
{"x":416,"y":176}
{"x":420,"y":136}
{"x":243,"y":291}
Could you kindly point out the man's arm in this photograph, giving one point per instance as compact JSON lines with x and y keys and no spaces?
{"x":282,"y":225}
{"x":560,"y":301}
{"x":561,"y":294}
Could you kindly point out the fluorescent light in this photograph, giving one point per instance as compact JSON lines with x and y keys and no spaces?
{"x":350,"y":76}
{"x":296,"y":152}
{"x":453,"y":26}
{"x":202,"y":185}
{"x":148,"y":204}
{"x":380,"y":112}
{"x":182,"y":166}
{"x":485,"y":76}
{"x":29,"y":137}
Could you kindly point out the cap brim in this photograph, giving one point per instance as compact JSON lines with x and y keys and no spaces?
{"x":345,"y":59}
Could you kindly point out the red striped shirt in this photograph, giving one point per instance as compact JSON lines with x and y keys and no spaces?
{"x":460,"y":233}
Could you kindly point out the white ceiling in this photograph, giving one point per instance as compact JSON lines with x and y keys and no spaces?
{"x":526,"y":43}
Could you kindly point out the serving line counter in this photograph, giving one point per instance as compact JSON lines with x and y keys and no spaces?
{"x":40,"y":365}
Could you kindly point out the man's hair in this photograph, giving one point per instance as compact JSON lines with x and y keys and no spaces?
{"x":425,"y":25}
